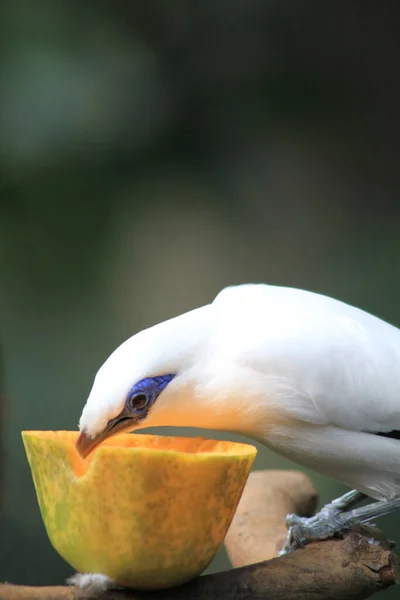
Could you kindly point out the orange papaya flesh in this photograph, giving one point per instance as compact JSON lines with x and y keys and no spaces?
{"x":149,"y":511}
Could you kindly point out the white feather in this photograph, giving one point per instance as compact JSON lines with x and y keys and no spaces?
{"x":305,"y":374}
{"x":92,"y":583}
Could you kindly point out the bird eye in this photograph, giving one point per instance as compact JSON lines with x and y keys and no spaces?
{"x":138,"y":401}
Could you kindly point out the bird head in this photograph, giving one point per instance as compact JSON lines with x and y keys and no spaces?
{"x":148,"y":381}
{"x":197,"y":370}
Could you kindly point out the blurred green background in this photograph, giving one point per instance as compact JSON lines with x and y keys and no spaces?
{"x":154,"y":152}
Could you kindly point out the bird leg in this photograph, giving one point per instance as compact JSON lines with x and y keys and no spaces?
{"x":345,"y":502}
{"x":338,"y":505}
{"x":334,"y":518}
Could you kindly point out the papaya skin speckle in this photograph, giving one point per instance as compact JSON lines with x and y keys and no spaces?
{"x":148,"y":511}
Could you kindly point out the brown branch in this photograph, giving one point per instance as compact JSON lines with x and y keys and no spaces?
{"x":258,"y":530}
{"x":337,"y":569}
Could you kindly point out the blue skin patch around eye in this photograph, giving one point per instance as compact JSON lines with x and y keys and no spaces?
{"x":151,"y":387}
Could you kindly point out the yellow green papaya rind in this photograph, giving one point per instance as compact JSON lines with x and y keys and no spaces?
{"x":148,"y":516}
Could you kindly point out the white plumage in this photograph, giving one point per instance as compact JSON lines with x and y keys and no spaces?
{"x":311,"y":377}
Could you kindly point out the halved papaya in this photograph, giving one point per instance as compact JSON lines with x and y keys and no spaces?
{"x":148,"y":511}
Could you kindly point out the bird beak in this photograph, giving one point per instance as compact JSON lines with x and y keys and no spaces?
{"x":86,"y":444}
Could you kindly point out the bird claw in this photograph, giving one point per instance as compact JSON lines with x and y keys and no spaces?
{"x":297,"y":537}
{"x":292,"y":542}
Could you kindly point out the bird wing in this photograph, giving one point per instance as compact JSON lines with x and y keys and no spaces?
{"x":324,"y":361}
{"x":350,"y":374}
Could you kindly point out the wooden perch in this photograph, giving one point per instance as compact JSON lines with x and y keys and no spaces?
{"x":336,"y":569}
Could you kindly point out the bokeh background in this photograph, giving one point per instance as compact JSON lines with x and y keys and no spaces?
{"x":154,"y":152}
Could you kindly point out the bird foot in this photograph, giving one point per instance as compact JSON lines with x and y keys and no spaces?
{"x":92,"y":582}
{"x":334,"y":519}
{"x":301,"y":530}
{"x":331,"y":521}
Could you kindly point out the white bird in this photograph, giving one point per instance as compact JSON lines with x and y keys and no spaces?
{"x":313,"y":378}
